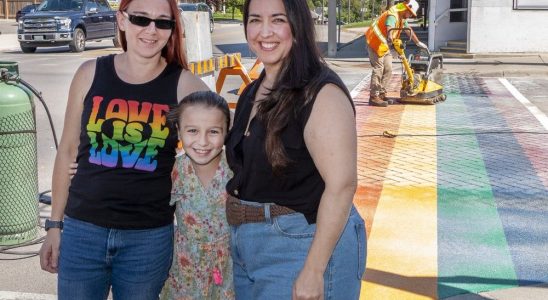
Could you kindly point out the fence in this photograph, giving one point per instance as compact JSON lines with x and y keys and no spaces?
{"x":8,"y":8}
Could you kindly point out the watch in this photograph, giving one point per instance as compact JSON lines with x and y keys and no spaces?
{"x":53,"y":224}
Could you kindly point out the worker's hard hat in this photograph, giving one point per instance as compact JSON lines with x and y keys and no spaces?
{"x":412,"y":6}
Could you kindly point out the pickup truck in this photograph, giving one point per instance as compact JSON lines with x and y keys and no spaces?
{"x":67,"y":22}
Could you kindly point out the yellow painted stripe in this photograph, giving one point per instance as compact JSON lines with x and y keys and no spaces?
{"x":402,"y":246}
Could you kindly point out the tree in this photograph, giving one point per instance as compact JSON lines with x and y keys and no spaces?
{"x":234,"y":4}
{"x":216,"y":4}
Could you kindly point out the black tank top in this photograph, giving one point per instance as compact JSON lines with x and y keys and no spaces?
{"x":300,"y":187}
{"x":126,"y":151}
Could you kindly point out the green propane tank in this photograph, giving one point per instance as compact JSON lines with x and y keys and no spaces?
{"x":19,"y":217}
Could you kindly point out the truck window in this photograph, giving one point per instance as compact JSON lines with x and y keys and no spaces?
{"x":91,"y":4}
{"x":103,"y":5}
{"x":58,"y":5}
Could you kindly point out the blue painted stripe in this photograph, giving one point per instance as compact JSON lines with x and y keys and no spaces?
{"x":520,"y":196}
{"x":472,"y":252}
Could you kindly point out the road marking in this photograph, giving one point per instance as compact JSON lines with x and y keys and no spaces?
{"x":537,"y":113}
{"x":25,"y":296}
{"x":402,"y":249}
{"x":359,"y":87}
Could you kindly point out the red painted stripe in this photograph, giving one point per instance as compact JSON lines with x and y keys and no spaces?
{"x":374,"y":152}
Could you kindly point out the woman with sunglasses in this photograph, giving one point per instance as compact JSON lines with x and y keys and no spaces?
{"x":115,"y":217}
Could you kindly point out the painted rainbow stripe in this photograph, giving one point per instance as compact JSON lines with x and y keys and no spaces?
{"x":455,"y":210}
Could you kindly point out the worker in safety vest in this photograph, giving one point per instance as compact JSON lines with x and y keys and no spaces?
{"x":378,"y":44}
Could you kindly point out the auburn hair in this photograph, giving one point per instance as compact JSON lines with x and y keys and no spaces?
{"x":173,"y":51}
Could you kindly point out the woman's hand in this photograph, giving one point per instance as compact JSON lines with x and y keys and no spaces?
{"x":308,"y":286}
{"x":49,"y":252}
{"x":72,"y":169}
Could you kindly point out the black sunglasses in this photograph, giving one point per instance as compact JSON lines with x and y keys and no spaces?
{"x":144,"y":21}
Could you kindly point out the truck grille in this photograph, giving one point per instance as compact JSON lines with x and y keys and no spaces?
{"x":39,"y":25}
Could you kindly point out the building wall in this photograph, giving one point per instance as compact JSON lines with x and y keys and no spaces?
{"x":445,"y":31}
{"x":496,"y":27}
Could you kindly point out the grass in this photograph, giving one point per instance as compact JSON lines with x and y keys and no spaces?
{"x":227,"y":17}
{"x":358,"y":24}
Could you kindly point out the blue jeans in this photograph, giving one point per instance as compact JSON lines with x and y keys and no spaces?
{"x":268,"y":257}
{"x":93,"y":258}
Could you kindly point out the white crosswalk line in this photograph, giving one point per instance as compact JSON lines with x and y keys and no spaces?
{"x":537,"y":113}
{"x":25,"y":296}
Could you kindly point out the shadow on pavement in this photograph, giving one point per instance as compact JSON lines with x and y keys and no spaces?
{"x":423,"y":285}
{"x":242,"y":48}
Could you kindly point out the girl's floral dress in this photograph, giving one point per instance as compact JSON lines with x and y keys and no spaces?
{"x":202,"y":266}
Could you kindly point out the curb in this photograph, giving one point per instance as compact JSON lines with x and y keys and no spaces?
{"x":5,"y":295}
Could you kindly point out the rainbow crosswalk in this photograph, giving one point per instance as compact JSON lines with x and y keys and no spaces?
{"x":458,"y":201}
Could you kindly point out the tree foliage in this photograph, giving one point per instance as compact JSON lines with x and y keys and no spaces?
{"x":359,"y":9}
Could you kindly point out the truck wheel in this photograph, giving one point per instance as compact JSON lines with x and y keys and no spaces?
{"x":78,"y":43}
{"x":211,"y":25}
{"x":28,"y":49}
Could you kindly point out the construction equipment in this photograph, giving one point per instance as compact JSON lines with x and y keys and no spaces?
{"x":422,"y":74}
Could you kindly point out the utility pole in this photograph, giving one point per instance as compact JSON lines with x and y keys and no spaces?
{"x":323,"y":11}
{"x":362,"y":10}
{"x":339,"y":8}
{"x":332,"y":28}
{"x":348,"y":20}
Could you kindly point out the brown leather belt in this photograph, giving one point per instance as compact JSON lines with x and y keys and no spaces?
{"x":238,"y":213}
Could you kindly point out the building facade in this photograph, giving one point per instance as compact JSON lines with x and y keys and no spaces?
{"x":489,"y":26}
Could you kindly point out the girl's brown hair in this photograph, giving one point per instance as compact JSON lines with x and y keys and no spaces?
{"x":205,"y":98}
{"x":173,"y":52}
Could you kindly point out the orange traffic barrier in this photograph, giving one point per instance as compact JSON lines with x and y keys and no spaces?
{"x":253,"y":74}
{"x":232,"y":69}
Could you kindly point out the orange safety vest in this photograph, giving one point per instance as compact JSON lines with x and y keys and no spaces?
{"x":377,"y":32}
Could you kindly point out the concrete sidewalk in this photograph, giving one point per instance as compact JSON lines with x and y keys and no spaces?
{"x":487,"y":65}
{"x":8,"y":35}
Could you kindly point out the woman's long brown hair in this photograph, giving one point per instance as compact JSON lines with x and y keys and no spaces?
{"x":302,"y":71}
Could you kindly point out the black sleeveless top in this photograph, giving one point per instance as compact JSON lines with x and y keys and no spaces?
{"x":300,"y":187}
{"x":126,"y":151}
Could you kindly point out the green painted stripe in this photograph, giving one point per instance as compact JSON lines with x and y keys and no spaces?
{"x":473,"y":254}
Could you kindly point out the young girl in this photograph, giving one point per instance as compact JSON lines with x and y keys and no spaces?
{"x":202,"y":267}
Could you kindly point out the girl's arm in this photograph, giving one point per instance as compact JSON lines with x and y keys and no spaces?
{"x":66,"y":154}
{"x":330,"y":136}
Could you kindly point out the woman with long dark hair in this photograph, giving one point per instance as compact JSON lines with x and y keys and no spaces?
{"x":115,"y":217}
{"x":295,"y":233}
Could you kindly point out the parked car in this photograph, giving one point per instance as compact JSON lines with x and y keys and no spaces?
{"x":67,"y":22}
{"x":199,"y":7}
{"x":25,"y":10}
